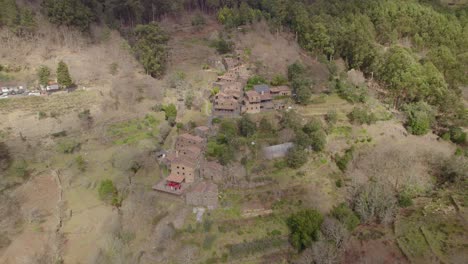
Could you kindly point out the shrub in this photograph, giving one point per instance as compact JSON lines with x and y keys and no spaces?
{"x":304,"y":227}
{"x":318,"y":140}
{"x":351,"y":93}
{"x":207,"y":224}
{"x":223,"y":46}
{"x":198,"y":21}
{"x":420,"y":117}
{"x":108,"y":192}
{"x":20,"y":168}
{"x":41,"y":115}
{"x":209,"y":241}
{"x":296,"y":157}
{"x":252,"y":247}
{"x":189,"y":97}
{"x":343,"y":160}
{"x":331,"y":117}
{"x":375,"y":202}
{"x":114,"y":68}
{"x":346,"y":216}
{"x":452,"y":170}
{"x":279,"y":80}
{"x":361,"y":116}
{"x":254,"y":80}
{"x":80,"y":163}
{"x":312,"y":126}
{"x":171,"y":112}
{"x":5,"y":157}
{"x":457,"y":135}
{"x":68,"y":146}
{"x":339,"y":183}
{"x":404,"y":200}
{"x":246,"y":126}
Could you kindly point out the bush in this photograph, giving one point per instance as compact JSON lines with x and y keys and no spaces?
{"x":80,"y":163}
{"x":209,"y":241}
{"x":420,"y":117}
{"x":223,"y":46}
{"x":189,"y":97}
{"x":361,"y":116}
{"x":198,"y":21}
{"x":246,"y":126}
{"x":331,"y":117}
{"x":114,"y":68}
{"x":108,"y":192}
{"x":319,"y":140}
{"x":313,"y":125}
{"x":304,"y":227}
{"x":41,"y":115}
{"x":404,"y":200}
{"x":343,"y":160}
{"x":170,"y":111}
{"x":296,"y":157}
{"x":5,"y":157}
{"x":255,"y":246}
{"x":375,"y":202}
{"x":351,"y":93}
{"x":68,"y":146}
{"x":457,"y":135}
{"x":207,"y":224}
{"x":346,"y":216}
{"x":279,"y":80}
{"x":254,"y":80}
{"x":20,"y":168}
{"x":452,"y":170}
{"x":339,"y":183}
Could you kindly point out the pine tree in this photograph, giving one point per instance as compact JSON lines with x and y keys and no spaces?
{"x":63,"y":76}
{"x":43,"y":73}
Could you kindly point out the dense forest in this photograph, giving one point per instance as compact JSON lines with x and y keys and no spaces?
{"x":416,"y":50}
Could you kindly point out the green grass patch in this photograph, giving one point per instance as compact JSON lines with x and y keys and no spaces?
{"x":132,"y":131}
{"x":342,"y":131}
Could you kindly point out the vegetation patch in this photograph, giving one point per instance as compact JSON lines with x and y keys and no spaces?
{"x":132,"y":131}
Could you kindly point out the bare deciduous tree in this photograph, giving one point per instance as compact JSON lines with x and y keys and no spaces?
{"x":335,"y":232}
{"x":375,"y":201}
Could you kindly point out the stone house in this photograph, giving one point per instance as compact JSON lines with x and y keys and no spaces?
{"x":225,"y":104}
{"x":254,"y":102}
{"x":202,"y":131}
{"x":251,"y":102}
{"x":230,"y":63}
{"x":188,"y":140}
{"x":184,"y":167}
{"x":212,"y":170}
{"x":203,"y":194}
{"x":280,"y":91}
{"x":228,"y":77}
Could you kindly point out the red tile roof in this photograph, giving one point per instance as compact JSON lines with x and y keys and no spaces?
{"x":175,"y":178}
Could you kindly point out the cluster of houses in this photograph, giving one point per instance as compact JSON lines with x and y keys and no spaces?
{"x":189,"y":173}
{"x":232,"y":100}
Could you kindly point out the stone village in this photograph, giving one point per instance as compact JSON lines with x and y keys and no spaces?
{"x":191,"y":175}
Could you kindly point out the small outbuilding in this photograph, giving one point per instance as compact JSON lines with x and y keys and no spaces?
{"x":203,"y":194}
{"x":277,"y":151}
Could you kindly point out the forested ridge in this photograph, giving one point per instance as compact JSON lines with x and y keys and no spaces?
{"x":416,"y":50}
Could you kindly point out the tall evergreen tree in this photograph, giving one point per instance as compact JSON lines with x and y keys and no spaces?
{"x":150,"y":48}
{"x":63,"y":76}
{"x":43,"y":73}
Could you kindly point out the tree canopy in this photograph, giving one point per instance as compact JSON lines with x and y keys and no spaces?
{"x":304,"y":226}
{"x":150,"y":48}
